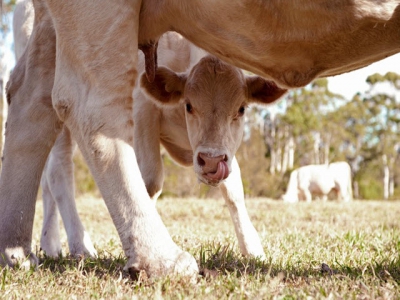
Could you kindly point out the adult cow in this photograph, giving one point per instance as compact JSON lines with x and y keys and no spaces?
{"x":94,"y":72}
{"x":320,"y":180}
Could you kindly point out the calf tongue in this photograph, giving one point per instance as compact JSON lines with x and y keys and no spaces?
{"x":221,"y":173}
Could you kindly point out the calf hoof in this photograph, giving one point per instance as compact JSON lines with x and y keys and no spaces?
{"x":255,"y":250}
{"x":51,"y":248}
{"x":15,"y":257}
{"x":83,"y":248}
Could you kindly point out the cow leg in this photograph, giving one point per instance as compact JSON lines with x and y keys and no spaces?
{"x":232,"y":190}
{"x":50,"y":239}
{"x":95,"y":75}
{"x":59,"y":174}
{"x":32,"y":127}
{"x":306,"y":192}
{"x":147,"y":146}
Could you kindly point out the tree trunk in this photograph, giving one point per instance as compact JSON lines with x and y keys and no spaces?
{"x":386,"y":176}
{"x":270,"y":141}
{"x":356,"y":192}
{"x":317,"y":139}
{"x":327,"y":145}
{"x":292,"y":146}
{"x":285,"y":156}
{"x":278,"y":143}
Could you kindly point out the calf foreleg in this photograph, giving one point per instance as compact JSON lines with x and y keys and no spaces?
{"x":50,"y":238}
{"x":58,"y":191}
{"x":147,"y":146}
{"x":232,"y":190}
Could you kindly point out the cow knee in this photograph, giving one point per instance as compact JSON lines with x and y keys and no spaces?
{"x":62,"y":103}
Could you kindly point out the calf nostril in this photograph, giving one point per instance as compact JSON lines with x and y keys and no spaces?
{"x":225,"y":158}
{"x":200,"y":161}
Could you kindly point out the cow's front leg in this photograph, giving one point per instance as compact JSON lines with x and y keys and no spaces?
{"x":32,"y":127}
{"x":307,"y":193}
{"x":95,"y":75}
{"x":232,"y":190}
{"x":58,"y":192}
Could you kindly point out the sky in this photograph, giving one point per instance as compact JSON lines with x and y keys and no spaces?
{"x":349,"y":84}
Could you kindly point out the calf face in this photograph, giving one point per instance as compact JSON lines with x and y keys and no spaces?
{"x":214,"y":96}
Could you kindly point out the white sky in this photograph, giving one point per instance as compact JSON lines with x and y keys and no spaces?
{"x":349,"y":84}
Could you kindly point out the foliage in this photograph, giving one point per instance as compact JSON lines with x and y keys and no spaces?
{"x":84,"y":182}
{"x":6,"y":8}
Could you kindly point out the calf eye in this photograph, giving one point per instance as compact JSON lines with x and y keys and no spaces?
{"x":241,"y":111}
{"x":189,"y":108}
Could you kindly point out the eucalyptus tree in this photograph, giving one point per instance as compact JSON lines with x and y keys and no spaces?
{"x":309,"y":117}
{"x":384,"y":125}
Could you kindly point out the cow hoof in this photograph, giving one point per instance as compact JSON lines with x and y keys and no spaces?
{"x":89,"y":248}
{"x":15,"y":257}
{"x":184,"y":265}
{"x":51,"y":249}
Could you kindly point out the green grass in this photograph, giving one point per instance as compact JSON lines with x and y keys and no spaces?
{"x":314,"y":251}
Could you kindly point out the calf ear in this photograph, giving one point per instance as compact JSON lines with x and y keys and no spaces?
{"x":263,"y":91}
{"x":167,"y":86}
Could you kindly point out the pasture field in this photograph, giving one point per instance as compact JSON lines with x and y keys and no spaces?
{"x":314,"y":251}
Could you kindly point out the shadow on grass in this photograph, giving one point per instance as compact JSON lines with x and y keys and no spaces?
{"x":217,"y":259}
{"x":104,"y":265}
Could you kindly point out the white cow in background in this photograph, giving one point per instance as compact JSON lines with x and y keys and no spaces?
{"x":320,"y":180}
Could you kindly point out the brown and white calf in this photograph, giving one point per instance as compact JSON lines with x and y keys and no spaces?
{"x":199,"y":120}
{"x":80,"y":69}
{"x":194,"y":123}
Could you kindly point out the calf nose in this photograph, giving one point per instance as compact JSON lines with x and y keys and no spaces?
{"x":214,"y":167}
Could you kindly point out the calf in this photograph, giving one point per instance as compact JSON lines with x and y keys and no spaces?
{"x":194,"y":123}
{"x":199,"y":120}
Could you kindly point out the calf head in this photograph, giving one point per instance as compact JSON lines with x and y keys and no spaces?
{"x":214,"y":96}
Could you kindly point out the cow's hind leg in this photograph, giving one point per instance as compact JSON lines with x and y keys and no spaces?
{"x":96,"y":73}
{"x":232,"y":190}
{"x":32,"y":127}
{"x":59,"y":178}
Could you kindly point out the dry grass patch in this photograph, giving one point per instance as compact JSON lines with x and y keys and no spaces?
{"x":318,"y":250}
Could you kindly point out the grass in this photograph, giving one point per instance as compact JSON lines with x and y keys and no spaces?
{"x":315,"y":251}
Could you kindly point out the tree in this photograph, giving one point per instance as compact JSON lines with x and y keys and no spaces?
{"x":385,"y":126}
